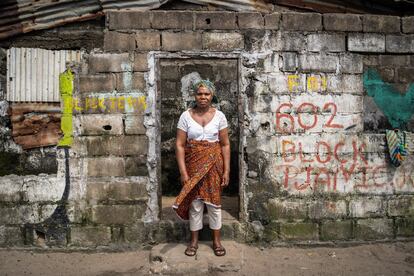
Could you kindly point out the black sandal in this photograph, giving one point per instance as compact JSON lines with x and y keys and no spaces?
{"x":191,"y":250}
{"x":219,"y":250}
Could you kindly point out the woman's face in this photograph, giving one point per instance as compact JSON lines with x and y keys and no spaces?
{"x":203,"y":97}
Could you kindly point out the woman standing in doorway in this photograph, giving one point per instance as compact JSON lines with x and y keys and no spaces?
{"x":203,"y":157}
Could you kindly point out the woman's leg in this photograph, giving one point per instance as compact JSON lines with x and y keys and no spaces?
{"x":214,"y":216}
{"x":196,"y":220}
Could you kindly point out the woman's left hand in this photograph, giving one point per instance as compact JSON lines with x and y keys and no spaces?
{"x":225,"y":179}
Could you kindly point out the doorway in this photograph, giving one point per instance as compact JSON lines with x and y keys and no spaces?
{"x":175,"y":78}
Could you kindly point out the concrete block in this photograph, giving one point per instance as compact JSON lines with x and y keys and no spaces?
{"x":250,"y":20}
{"x":134,"y":124}
{"x":393,"y":60}
{"x":387,"y":74}
{"x":148,"y":41}
{"x":288,"y":41}
{"x":326,"y":42}
{"x":117,"y":145}
{"x":272,"y":21}
{"x":374,"y":43}
{"x":284,"y":83}
{"x":181,"y":41}
{"x":366,"y":207}
{"x":318,"y":63}
{"x":351,"y":63}
{"x":136,"y":166}
{"x":399,"y":43}
{"x":104,"y":63}
{"x":118,"y":214}
{"x":222,"y":41}
{"x":336,"y":230}
{"x":127,"y":20}
{"x":271,"y":231}
{"x":140,"y":62}
{"x":270,"y":64}
{"x":133,"y":102}
{"x":255,"y":40}
{"x":299,"y":231}
{"x":117,"y":190}
{"x":96,"y":83}
{"x":301,"y":21}
{"x":322,"y":209}
{"x":406,"y":75}
{"x":289,"y":209}
{"x":118,"y":42}
{"x":97,"y":124}
{"x":405,"y":227}
{"x":345,"y":83}
{"x":374,"y":229}
{"x":342,"y":22}
{"x":90,"y":236}
{"x":215,"y":20}
{"x":79,"y":212}
{"x":129,"y":81}
{"x":31,"y":189}
{"x":289,"y":62}
{"x":172,"y":20}
{"x":137,"y":233}
{"x":265,"y":144}
{"x":106,"y":166}
{"x":401,"y":206}
{"x":11,"y":236}
{"x":371,"y":60}
{"x":19,"y":214}
{"x":381,"y":24}
{"x":408,"y":24}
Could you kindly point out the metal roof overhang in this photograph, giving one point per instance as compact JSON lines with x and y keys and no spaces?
{"x":23,"y":16}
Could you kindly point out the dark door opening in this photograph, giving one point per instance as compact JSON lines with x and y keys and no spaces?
{"x":176,"y":76}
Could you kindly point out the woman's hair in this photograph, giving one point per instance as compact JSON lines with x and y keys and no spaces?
{"x":204,"y":83}
{"x":207,"y":84}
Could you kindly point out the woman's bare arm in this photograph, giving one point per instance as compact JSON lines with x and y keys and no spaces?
{"x":180,"y":154}
{"x":225,"y":149}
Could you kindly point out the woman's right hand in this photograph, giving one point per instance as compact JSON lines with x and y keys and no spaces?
{"x":184,"y":178}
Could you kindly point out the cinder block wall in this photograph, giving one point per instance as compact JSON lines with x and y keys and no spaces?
{"x":315,"y":163}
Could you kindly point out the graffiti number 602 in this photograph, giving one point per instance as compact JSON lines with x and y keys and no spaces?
{"x":286,"y":122}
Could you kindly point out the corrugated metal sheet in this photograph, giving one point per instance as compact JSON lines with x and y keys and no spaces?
{"x":33,"y":74}
{"x":390,"y":7}
{"x":131,"y":4}
{"x":22,"y":16}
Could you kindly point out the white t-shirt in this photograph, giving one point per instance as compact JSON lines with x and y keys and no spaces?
{"x":195,"y":131}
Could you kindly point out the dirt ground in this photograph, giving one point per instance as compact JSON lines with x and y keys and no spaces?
{"x":370,"y":259}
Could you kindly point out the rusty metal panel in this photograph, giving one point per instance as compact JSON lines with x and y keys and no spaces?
{"x":33,"y":73}
{"x":35,"y":124}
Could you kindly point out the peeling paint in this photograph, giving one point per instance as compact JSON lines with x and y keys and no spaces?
{"x":66,"y":90}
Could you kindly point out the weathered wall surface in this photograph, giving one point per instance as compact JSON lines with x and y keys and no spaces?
{"x":314,"y":161}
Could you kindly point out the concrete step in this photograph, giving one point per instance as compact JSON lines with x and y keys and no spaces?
{"x":169,"y":258}
{"x":179,"y":231}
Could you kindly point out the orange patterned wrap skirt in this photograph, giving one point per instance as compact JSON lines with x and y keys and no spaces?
{"x":204,"y":163}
